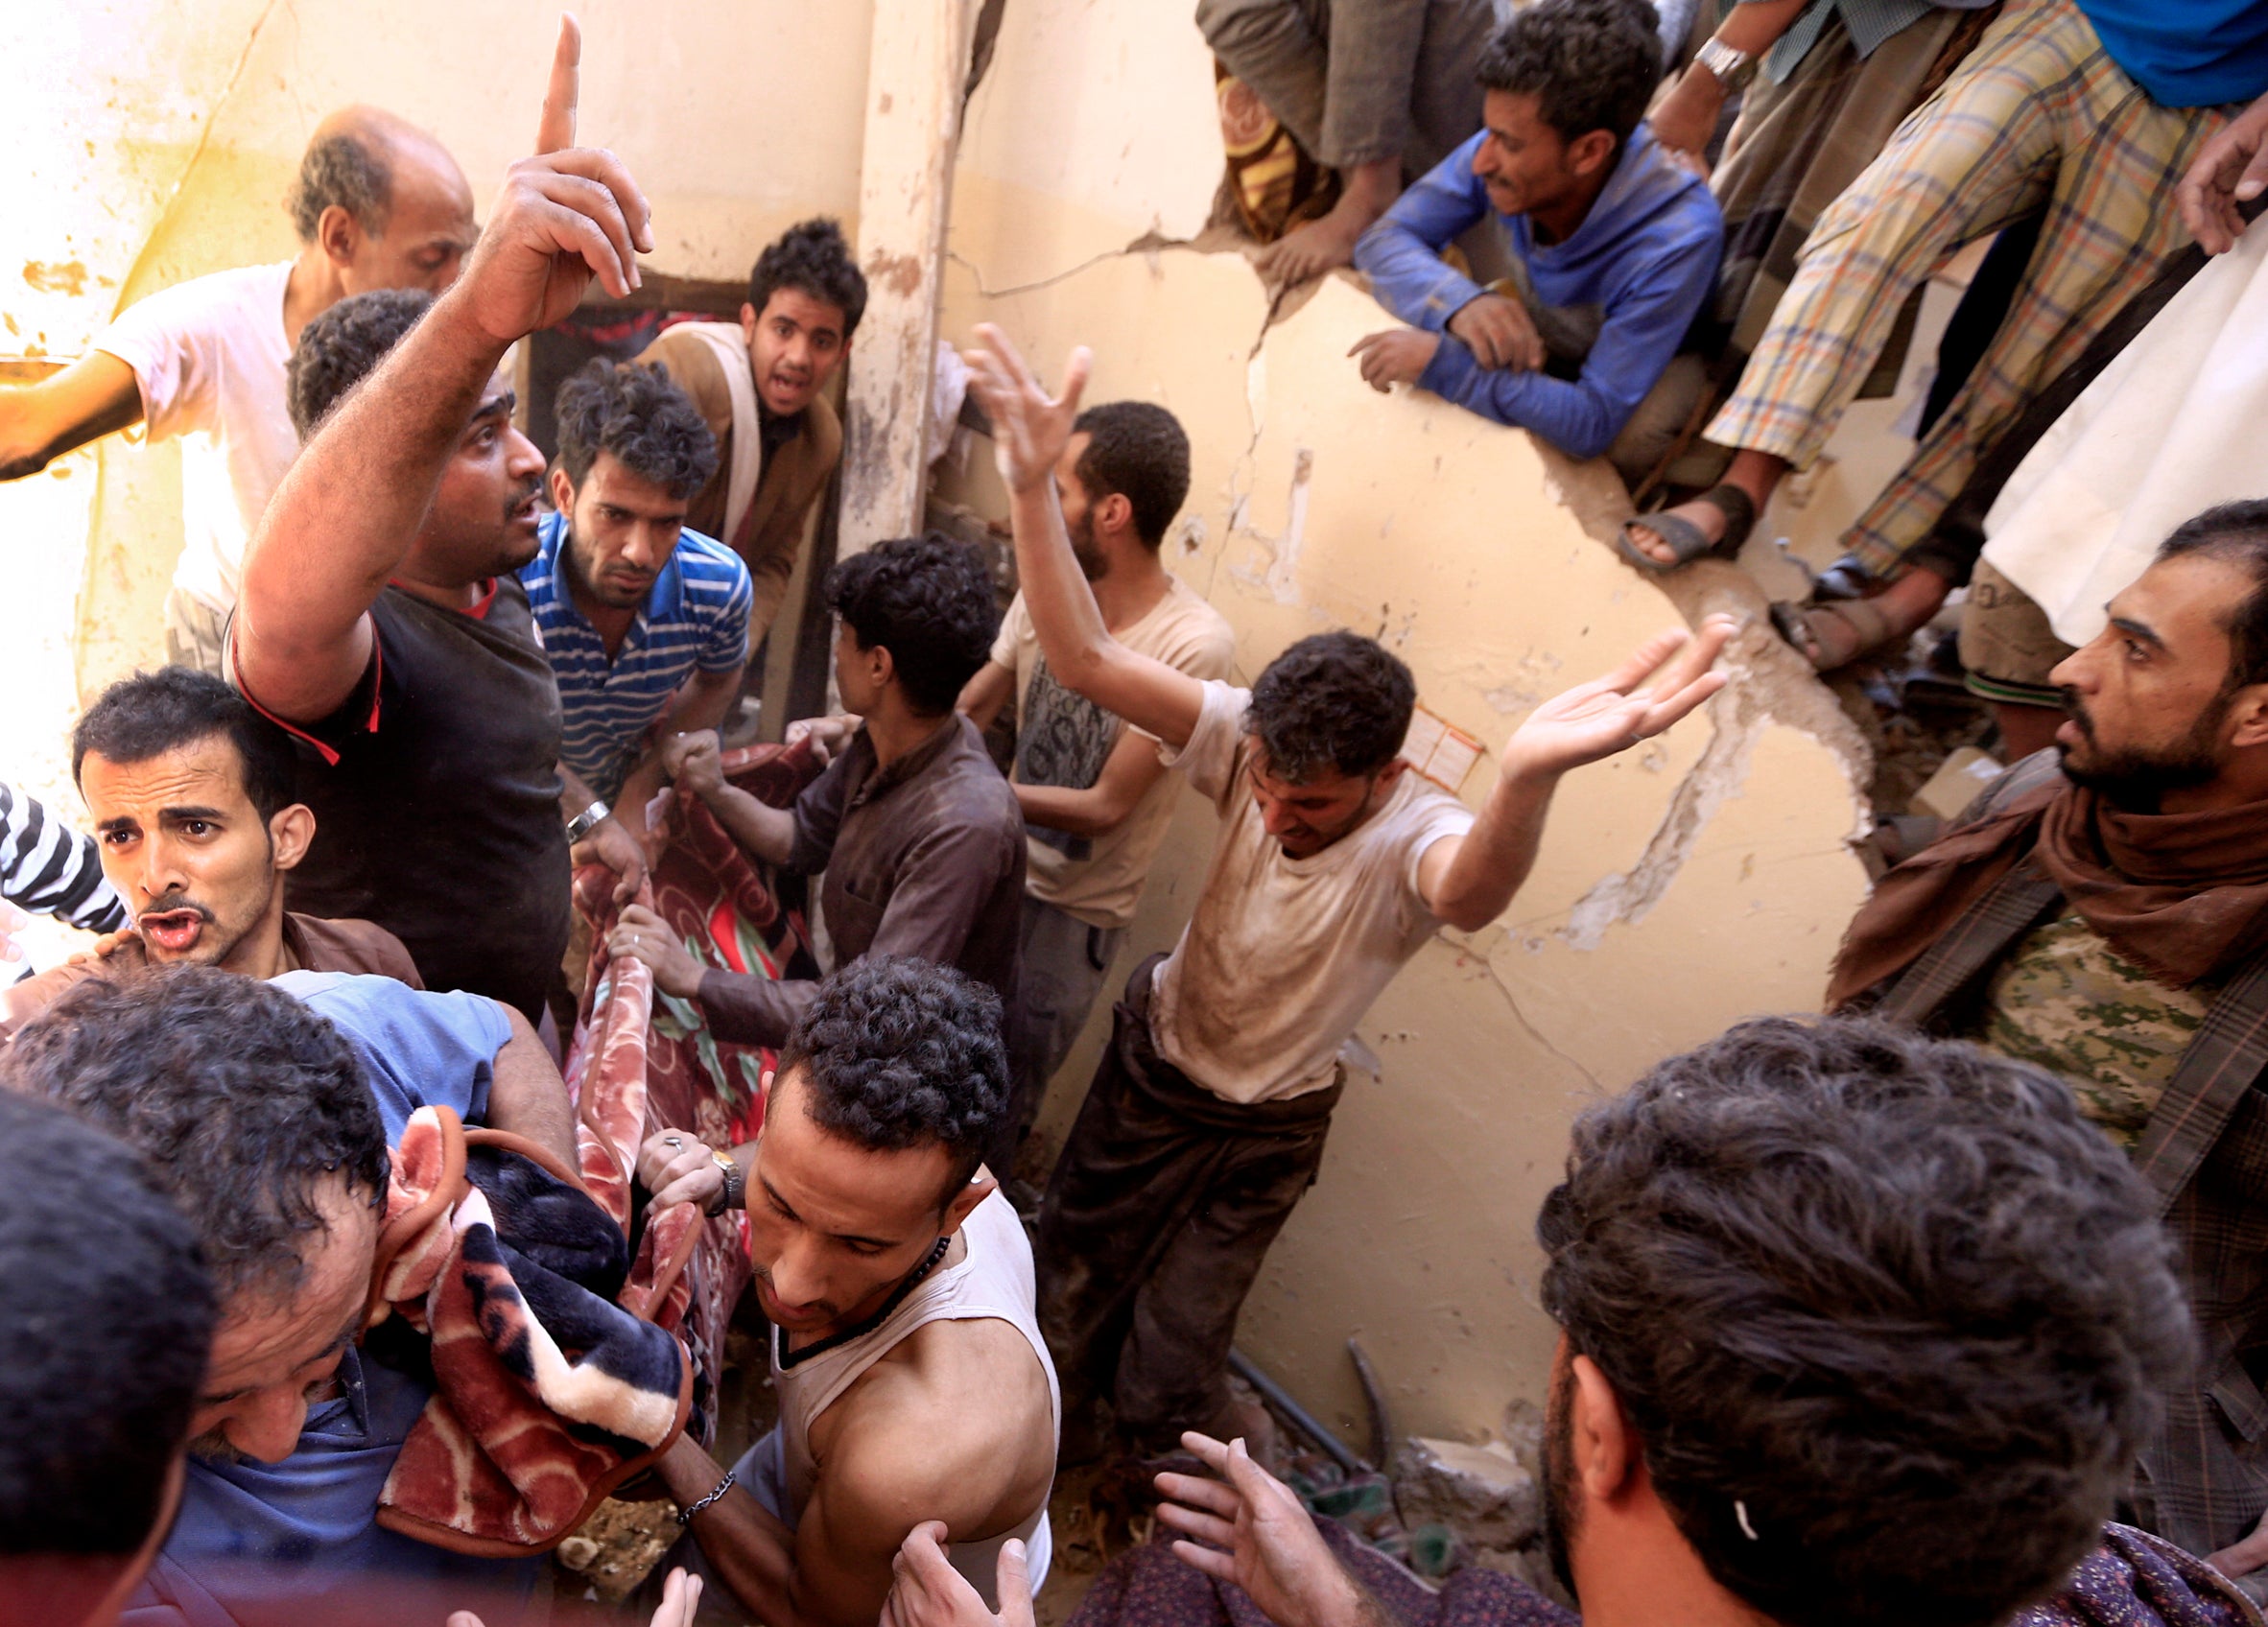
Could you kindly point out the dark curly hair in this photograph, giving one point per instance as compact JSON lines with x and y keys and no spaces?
{"x":345,"y":171}
{"x":103,"y":1351}
{"x":639,"y":414}
{"x":928,"y":600}
{"x":244,"y":1100}
{"x":901,"y":1052}
{"x":2235,"y":534}
{"x":1591,"y":64}
{"x":1138,"y":450}
{"x":1888,"y":1317}
{"x":1332,"y":701}
{"x":153,"y":713}
{"x":343,"y":346}
{"x":812,"y":258}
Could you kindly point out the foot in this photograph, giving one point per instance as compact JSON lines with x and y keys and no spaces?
{"x":1328,"y":244}
{"x":1712,"y":521}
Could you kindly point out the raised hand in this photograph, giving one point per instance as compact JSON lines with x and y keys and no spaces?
{"x":1251,"y":1529}
{"x":565,"y":216}
{"x":1029,"y":426}
{"x":928,"y":1592}
{"x":1613,"y":714}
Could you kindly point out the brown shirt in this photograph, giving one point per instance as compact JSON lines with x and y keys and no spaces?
{"x":311,"y":944}
{"x":925,"y":856}
{"x":771,"y":534}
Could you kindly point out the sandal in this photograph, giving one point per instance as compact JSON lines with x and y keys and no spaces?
{"x":1686,"y":541}
{"x":1834,"y":634}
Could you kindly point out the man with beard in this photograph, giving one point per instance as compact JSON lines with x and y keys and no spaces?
{"x":646,"y":623}
{"x":1094,"y":793}
{"x":197,"y":826}
{"x":381,"y":621}
{"x":2102,"y":911}
{"x":1857,"y":1329}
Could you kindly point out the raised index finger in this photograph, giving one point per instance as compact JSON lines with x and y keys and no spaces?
{"x":555,"y":131}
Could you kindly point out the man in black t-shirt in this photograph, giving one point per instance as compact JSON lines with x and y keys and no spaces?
{"x":380,"y":621}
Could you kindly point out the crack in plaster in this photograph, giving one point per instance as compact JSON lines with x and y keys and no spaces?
{"x":1150,"y":242}
{"x":1488,"y":970}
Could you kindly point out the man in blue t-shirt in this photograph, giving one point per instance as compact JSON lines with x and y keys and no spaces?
{"x":266,"y":1109}
{"x":1613,"y":247}
{"x":643,"y":621}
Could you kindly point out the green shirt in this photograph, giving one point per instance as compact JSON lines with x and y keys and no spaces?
{"x":2065,"y":1001}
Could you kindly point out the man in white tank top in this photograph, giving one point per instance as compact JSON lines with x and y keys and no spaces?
{"x":913,"y":1380}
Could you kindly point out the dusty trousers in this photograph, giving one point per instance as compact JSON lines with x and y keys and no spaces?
{"x":1154,"y":1225}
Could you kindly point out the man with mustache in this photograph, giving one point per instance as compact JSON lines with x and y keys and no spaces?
{"x":381,"y":621}
{"x":197,"y":826}
{"x":761,"y":385}
{"x":645,"y":621}
{"x":2102,"y":911}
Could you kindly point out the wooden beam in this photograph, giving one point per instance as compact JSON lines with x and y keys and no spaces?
{"x":916,"y":76}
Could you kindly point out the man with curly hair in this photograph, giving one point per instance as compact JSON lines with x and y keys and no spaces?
{"x":913,"y":1383}
{"x":1333,"y":866}
{"x":378,"y":203}
{"x":761,"y":385}
{"x":645,"y":621}
{"x":920,"y":837}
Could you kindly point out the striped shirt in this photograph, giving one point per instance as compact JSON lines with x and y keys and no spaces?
{"x":49,"y":868}
{"x":695,"y":617}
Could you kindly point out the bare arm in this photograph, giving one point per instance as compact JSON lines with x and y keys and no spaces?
{"x":701,"y":706}
{"x":40,"y":422}
{"x":985,"y":694}
{"x":342,"y":519}
{"x":697,"y":763}
{"x":1467,"y":881}
{"x":1030,"y":430}
{"x":1687,"y":117}
{"x":1127,"y":774}
{"x":526,"y":1096}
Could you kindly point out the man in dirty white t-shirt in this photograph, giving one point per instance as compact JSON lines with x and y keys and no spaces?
{"x":1333,"y":867}
{"x":378,"y":204}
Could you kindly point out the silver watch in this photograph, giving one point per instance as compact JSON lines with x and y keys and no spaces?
{"x":1732,"y":69}
{"x":585,"y":822}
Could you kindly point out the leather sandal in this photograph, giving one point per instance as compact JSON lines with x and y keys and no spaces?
{"x":1686,"y":541}
{"x":1833,"y":634}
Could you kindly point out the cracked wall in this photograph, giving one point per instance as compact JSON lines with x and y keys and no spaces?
{"x":1679,"y":888}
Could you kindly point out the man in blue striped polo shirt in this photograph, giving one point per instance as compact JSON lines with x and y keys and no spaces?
{"x":643,"y":619}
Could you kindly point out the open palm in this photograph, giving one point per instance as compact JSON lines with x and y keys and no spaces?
{"x":1614,"y":712}
{"x":1029,"y":426}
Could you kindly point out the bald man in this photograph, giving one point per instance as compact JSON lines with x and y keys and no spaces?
{"x":378,"y":203}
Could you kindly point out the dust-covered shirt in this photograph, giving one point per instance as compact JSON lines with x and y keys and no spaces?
{"x":2065,"y":1001}
{"x":1283,"y":955}
{"x":1063,"y":739}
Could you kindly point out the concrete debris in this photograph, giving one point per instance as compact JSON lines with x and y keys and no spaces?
{"x":1485,"y":1493}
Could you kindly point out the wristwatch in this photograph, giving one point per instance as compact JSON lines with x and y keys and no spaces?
{"x":1732,"y":69}
{"x":734,"y":1192}
{"x":587,"y":821}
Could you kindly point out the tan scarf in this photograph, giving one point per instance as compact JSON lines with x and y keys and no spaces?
{"x":2183,"y":896}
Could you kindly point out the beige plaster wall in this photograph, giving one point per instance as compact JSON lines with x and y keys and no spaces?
{"x":1677,"y":891}
{"x":152,"y":142}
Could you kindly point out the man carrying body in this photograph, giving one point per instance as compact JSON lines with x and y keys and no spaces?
{"x":913,"y":1382}
{"x":1615,"y":248}
{"x":1333,"y":867}
{"x":760,"y":385}
{"x":641,"y":619}
{"x":1856,"y":1330}
{"x":266,"y":1108}
{"x":2105,"y":917}
{"x":191,"y":792}
{"x":378,"y":204}
{"x":920,"y":837}
{"x":1096,"y":798}
{"x":381,"y":622}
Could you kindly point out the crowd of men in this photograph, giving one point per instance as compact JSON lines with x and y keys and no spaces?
{"x":1945,"y":1307}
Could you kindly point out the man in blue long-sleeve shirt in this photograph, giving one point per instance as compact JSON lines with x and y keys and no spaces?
{"x":1614,"y":246}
